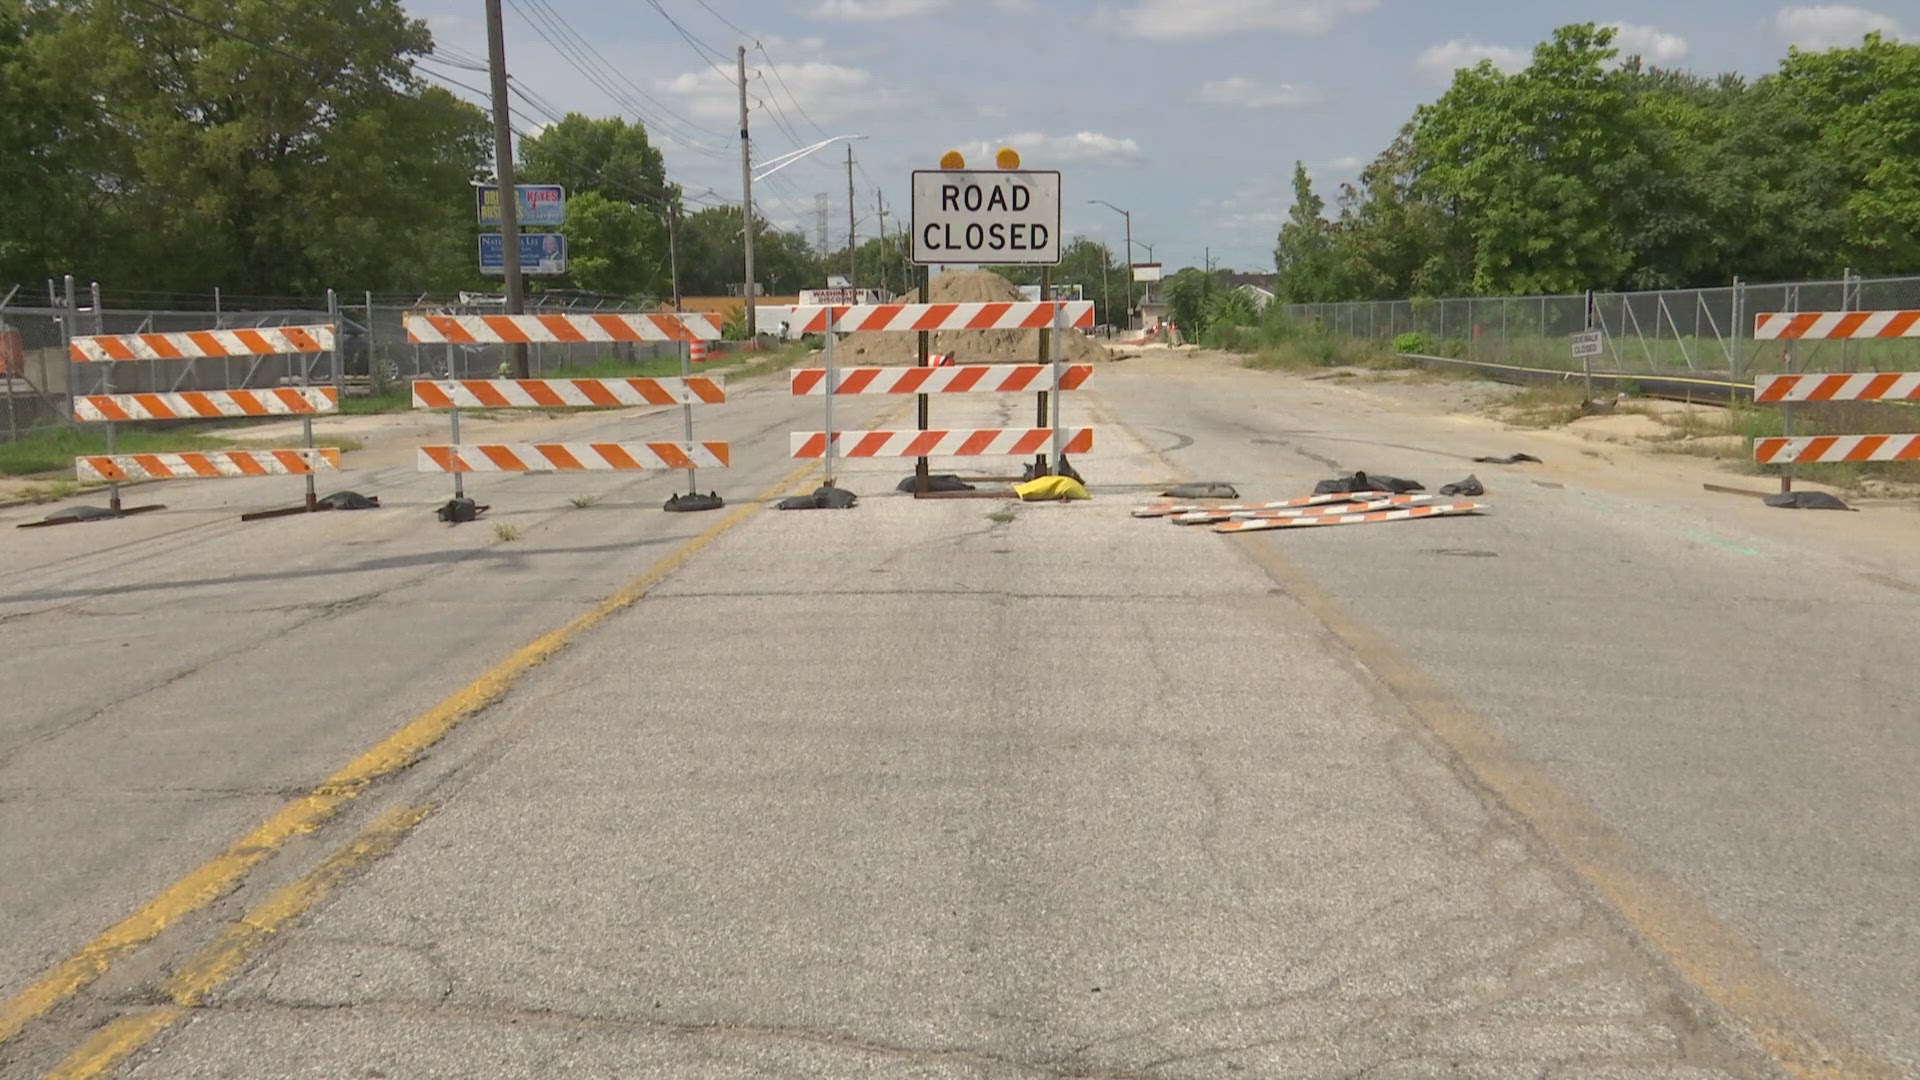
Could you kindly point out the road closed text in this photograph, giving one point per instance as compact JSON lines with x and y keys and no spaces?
{"x":986,"y":217}
{"x":975,"y":237}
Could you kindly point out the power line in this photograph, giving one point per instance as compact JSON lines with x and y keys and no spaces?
{"x":729,"y":25}
{"x":613,"y":69}
{"x":771,"y":63}
{"x":700,"y":48}
{"x":580,"y":54}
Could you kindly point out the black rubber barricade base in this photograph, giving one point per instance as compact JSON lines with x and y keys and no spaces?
{"x":693,"y":502}
{"x":74,"y":515}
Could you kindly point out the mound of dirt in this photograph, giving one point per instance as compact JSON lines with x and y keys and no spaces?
{"x":965,"y":346}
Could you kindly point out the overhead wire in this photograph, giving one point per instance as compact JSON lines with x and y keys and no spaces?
{"x":587,"y":45}
{"x":554,"y":30}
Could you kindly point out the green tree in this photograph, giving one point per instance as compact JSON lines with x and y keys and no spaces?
{"x":607,"y":155}
{"x":1867,"y":100}
{"x":712,"y":256}
{"x":1305,"y":254}
{"x":292,"y":148}
{"x":1544,"y":167}
{"x":615,"y":247}
{"x":27,"y":147}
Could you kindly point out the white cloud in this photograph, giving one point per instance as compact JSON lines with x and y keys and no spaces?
{"x":1242,"y":92}
{"x":1444,"y":60}
{"x":873,"y":10}
{"x":1040,"y":151}
{"x":1832,"y":26}
{"x":1648,"y":43}
{"x":1339,"y":165}
{"x":1199,"y":20}
{"x":823,"y":89}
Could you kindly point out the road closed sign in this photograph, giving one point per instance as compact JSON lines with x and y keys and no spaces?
{"x":987,"y":217}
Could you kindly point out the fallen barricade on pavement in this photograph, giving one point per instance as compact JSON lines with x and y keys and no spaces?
{"x":1358,"y":499}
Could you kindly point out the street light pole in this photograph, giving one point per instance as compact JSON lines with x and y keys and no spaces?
{"x":1129,"y":216}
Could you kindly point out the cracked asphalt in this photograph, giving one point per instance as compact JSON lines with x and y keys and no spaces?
{"x":918,"y":790}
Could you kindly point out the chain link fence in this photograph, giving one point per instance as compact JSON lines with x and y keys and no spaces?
{"x":1706,"y":333}
{"x":372,"y":353}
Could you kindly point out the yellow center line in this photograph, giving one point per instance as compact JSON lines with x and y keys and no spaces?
{"x":1801,"y":1037}
{"x":220,"y":874}
{"x":217,"y":962}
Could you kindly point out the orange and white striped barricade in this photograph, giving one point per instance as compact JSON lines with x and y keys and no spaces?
{"x":1154,"y":510}
{"x":110,"y":408}
{"x":1787,"y":389}
{"x":697,"y":351}
{"x":1358,"y":506}
{"x":1053,"y":316}
{"x":1366,"y":518}
{"x":686,"y":391}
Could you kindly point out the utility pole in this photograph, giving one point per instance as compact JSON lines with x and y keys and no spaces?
{"x":503,"y":173}
{"x":746,"y":200}
{"x":886,"y":270}
{"x":853,"y":258}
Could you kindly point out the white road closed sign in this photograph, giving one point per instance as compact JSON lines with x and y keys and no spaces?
{"x":987,"y":216}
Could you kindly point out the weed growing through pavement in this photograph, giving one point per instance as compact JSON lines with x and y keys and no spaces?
{"x":1000,"y":517}
{"x":581,"y":502}
{"x":506,"y":533}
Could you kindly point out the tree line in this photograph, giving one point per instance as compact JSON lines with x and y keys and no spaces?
{"x":275,"y":148}
{"x":1587,"y":170}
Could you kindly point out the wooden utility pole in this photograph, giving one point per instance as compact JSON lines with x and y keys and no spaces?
{"x":503,"y":175}
{"x":852,"y":256}
{"x":746,"y":201}
{"x":886,"y":255}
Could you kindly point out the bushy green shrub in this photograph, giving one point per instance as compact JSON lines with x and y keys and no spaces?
{"x":1410,"y":342}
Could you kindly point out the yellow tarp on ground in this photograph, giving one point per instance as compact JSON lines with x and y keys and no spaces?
{"x":1047,"y":488}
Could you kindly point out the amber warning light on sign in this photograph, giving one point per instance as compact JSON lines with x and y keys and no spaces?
{"x":986,"y":217}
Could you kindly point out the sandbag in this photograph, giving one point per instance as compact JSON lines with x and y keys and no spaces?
{"x":1806,"y":500}
{"x":348,"y":500}
{"x":1469,"y":487}
{"x":1361,"y":481}
{"x":942,"y":482}
{"x":458,"y":510}
{"x":824,"y":497}
{"x":1051,"y":488}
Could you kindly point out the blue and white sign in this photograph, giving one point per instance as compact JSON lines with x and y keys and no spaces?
{"x":540,"y":204}
{"x":540,"y":253}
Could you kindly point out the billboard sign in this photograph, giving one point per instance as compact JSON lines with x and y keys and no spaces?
{"x":540,"y":204}
{"x":540,"y":253}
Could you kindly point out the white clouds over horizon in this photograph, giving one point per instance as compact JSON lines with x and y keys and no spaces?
{"x":1200,"y":20}
{"x":1443,"y":60}
{"x":887,"y":10}
{"x":823,"y":90}
{"x":1649,"y":43}
{"x":1832,"y":26}
{"x":1244,"y":93}
{"x":1042,"y":151}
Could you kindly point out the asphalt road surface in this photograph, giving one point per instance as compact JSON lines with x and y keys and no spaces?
{"x":1614,"y":781}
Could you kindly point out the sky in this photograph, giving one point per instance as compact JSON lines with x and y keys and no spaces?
{"x":1189,"y":114}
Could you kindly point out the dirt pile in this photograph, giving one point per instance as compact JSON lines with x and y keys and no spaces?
{"x":965,"y":346}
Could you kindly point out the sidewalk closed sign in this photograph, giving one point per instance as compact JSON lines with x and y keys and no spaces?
{"x":986,"y":217}
{"x":1589,"y":343}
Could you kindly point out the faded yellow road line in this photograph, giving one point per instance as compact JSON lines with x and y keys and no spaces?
{"x":1801,"y":1037}
{"x":218,"y":875}
{"x":225,"y":955}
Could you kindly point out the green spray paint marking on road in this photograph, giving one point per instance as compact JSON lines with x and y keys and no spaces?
{"x":1724,"y":545}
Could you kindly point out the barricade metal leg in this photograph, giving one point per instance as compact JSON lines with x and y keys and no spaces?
{"x":832,"y":388}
